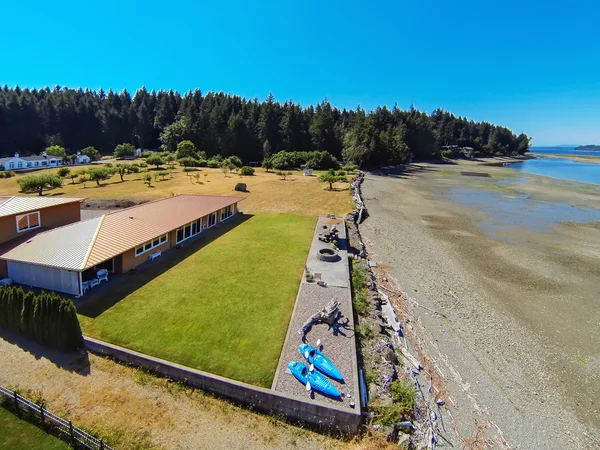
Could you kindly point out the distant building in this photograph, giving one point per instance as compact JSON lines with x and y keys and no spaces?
{"x":81,"y":159}
{"x":28,"y":162}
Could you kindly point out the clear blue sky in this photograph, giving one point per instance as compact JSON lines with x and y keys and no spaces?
{"x":530,"y":65}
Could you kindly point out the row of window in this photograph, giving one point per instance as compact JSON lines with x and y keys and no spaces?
{"x":34,"y":164}
{"x":28,"y":221}
{"x":185,"y":232}
{"x":149,"y":245}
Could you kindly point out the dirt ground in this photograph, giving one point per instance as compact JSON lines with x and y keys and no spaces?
{"x":517,"y":338}
{"x":134,"y":410}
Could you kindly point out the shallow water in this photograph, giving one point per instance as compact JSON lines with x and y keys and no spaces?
{"x":563,"y":151}
{"x":520,"y":211}
{"x":563,"y":168}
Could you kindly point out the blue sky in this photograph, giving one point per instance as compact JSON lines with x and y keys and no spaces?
{"x":532,"y":66}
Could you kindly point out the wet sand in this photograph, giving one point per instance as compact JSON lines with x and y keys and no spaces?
{"x":520,"y":344}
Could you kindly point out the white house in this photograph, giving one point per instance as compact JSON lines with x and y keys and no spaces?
{"x":28,"y":162}
{"x":82,"y":159}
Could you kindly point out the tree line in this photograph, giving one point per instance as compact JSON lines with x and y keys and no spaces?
{"x":46,"y":317}
{"x":222,"y":124}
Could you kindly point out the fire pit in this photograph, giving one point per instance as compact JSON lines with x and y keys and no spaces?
{"x":328,"y":255}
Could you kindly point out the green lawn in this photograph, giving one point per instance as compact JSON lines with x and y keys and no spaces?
{"x":17,"y":434}
{"x":223,"y":307}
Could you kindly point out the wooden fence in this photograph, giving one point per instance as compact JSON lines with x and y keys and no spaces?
{"x":26,"y":409}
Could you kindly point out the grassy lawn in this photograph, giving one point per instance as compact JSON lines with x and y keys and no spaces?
{"x":224,"y":307}
{"x":268,"y":192}
{"x":17,"y":434}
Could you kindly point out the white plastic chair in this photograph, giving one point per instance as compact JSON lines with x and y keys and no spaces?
{"x":102,"y":275}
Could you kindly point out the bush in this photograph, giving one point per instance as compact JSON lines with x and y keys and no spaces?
{"x":190,"y":169}
{"x":47,"y":317}
{"x":293,"y":160}
{"x":7,"y":174}
{"x":247,"y":171}
{"x":63,"y":172}
{"x":145,"y":154}
{"x":186,"y":149}
{"x":350,"y":167}
{"x":92,"y":153}
{"x":124,"y":150}
{"x":189,"y":162}
{"x":359,"y":288}
{"x":147,"y":179}
{"x":331,"y":178}
{"x":162,"y":174}
{"x":233,"y":161}
{"x":37,"y":183}
{"x":213,"y":163}
{"x":283,"y":174}
{"x":340,"y":173}
{"x":155,"y":160}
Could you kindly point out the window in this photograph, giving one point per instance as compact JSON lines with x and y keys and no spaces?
{"x":28,"y":221}
{"x":19,"y":165}
{"x":226,"y":212}
{"x":149,"y":245}
{"x":212,"y":220}
{"x":12,"y":165}
{"x":28,"y":164}
{"x":188,"y":230}
{"x":44,"y":163}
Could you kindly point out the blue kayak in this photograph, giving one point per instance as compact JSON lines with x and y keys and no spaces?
{"x":317,"y":381}
{"x":321,"y":362}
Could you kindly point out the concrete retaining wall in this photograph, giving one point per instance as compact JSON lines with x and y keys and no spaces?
{"x":260,"y":399}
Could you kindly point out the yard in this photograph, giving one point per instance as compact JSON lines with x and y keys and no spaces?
{"x":267,"y":191}
{"x":222,"y":306}
{"x":17,"y":434}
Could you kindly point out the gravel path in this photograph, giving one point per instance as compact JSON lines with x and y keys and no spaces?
{"x":338,"y":343}
{"x":505,"y":388}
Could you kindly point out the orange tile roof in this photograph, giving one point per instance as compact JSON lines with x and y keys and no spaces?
{"x":107,"y":236}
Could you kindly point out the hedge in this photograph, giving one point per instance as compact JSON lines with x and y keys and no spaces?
{"x":47,"y":317}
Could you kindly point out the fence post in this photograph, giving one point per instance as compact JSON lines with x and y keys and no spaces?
{"x":42,"y":416}
{"x":16,"y":397}
{"x":72,"y":434}
{"x":101,"y":444}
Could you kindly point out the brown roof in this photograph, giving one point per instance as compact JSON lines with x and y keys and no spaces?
{"x":82,"y":245}
{"x":17,"y":205}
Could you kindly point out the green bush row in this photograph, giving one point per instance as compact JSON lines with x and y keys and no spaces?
{"x":46,"y":317}
{"x":293,"y":160}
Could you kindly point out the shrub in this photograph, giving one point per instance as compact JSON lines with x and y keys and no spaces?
{"x":340,"y":173}
{"x":365,"y":331}
{"x":247,"y":171}
{"x":63,"y":172}
{"x":190,"y":169}
{"x":283,"y":174}
{"x":332,"y":179}
{"x":359,"y":288}
{"x":145,"y":154}
{"x":186,"y":149}
{"x":98,"y":174}
{"x":403,"y":393}
{"x":7,"y":174}
{"x":189,"y":162}
{"x":124,"y":150}
{"x":162,"y":174}
{"x":84,"y":179}
{"x":37,"y":183}
{"x":267,"y":164}
{"x":315,"y":159}
{"x":155,"y":160}
{"x":350,"y":167}
{"x":233,"y":161}
{"x":47,"y":317}
{"x":147,"y":179}
{"x":213,"y":163}
{"x":93,"y":154}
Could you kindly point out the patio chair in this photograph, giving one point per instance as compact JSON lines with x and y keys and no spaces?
{"x":102,"y":275}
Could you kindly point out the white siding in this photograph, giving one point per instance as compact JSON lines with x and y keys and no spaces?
{"x":59,"y":280}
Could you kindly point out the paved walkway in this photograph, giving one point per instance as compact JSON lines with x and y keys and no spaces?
{"x":338,"y":343}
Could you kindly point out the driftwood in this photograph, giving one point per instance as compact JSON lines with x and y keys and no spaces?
{"x":327,"y":315}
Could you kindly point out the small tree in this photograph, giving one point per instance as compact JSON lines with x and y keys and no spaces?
{"x":92,"y":153}
{"x":246,"y":171}
{"x":205,"y":177}
{"x":234,"y":161}
{"x":147,"y":179}
{"x":63,"y":172}
{"x":162,"y":174}
{"x":332,"y":178}
{"x":155,"y":160}
{"x":72,"y":176}
{"x":98,"y":174}
{"x":186,"y":149}
{"x":124,"y":150}
{"x":189,"y":162}
{"x":267,"y":164}
{"x":56,"y":150}
{"x":224,"y":168}
{"x":169,"y":158}
{"x":171,"y":168}
{"x":84,"y":179}
{"x":134,"y":168}
{"x":197,"y":177}
{"x":37,"y":183}
{"x":283,"y":174}
{"x":122,"y":170}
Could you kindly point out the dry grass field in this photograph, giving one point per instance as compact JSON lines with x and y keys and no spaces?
{"x":267,"y":192}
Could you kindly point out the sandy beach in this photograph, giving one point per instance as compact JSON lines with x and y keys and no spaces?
{"x":511,"y":262}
